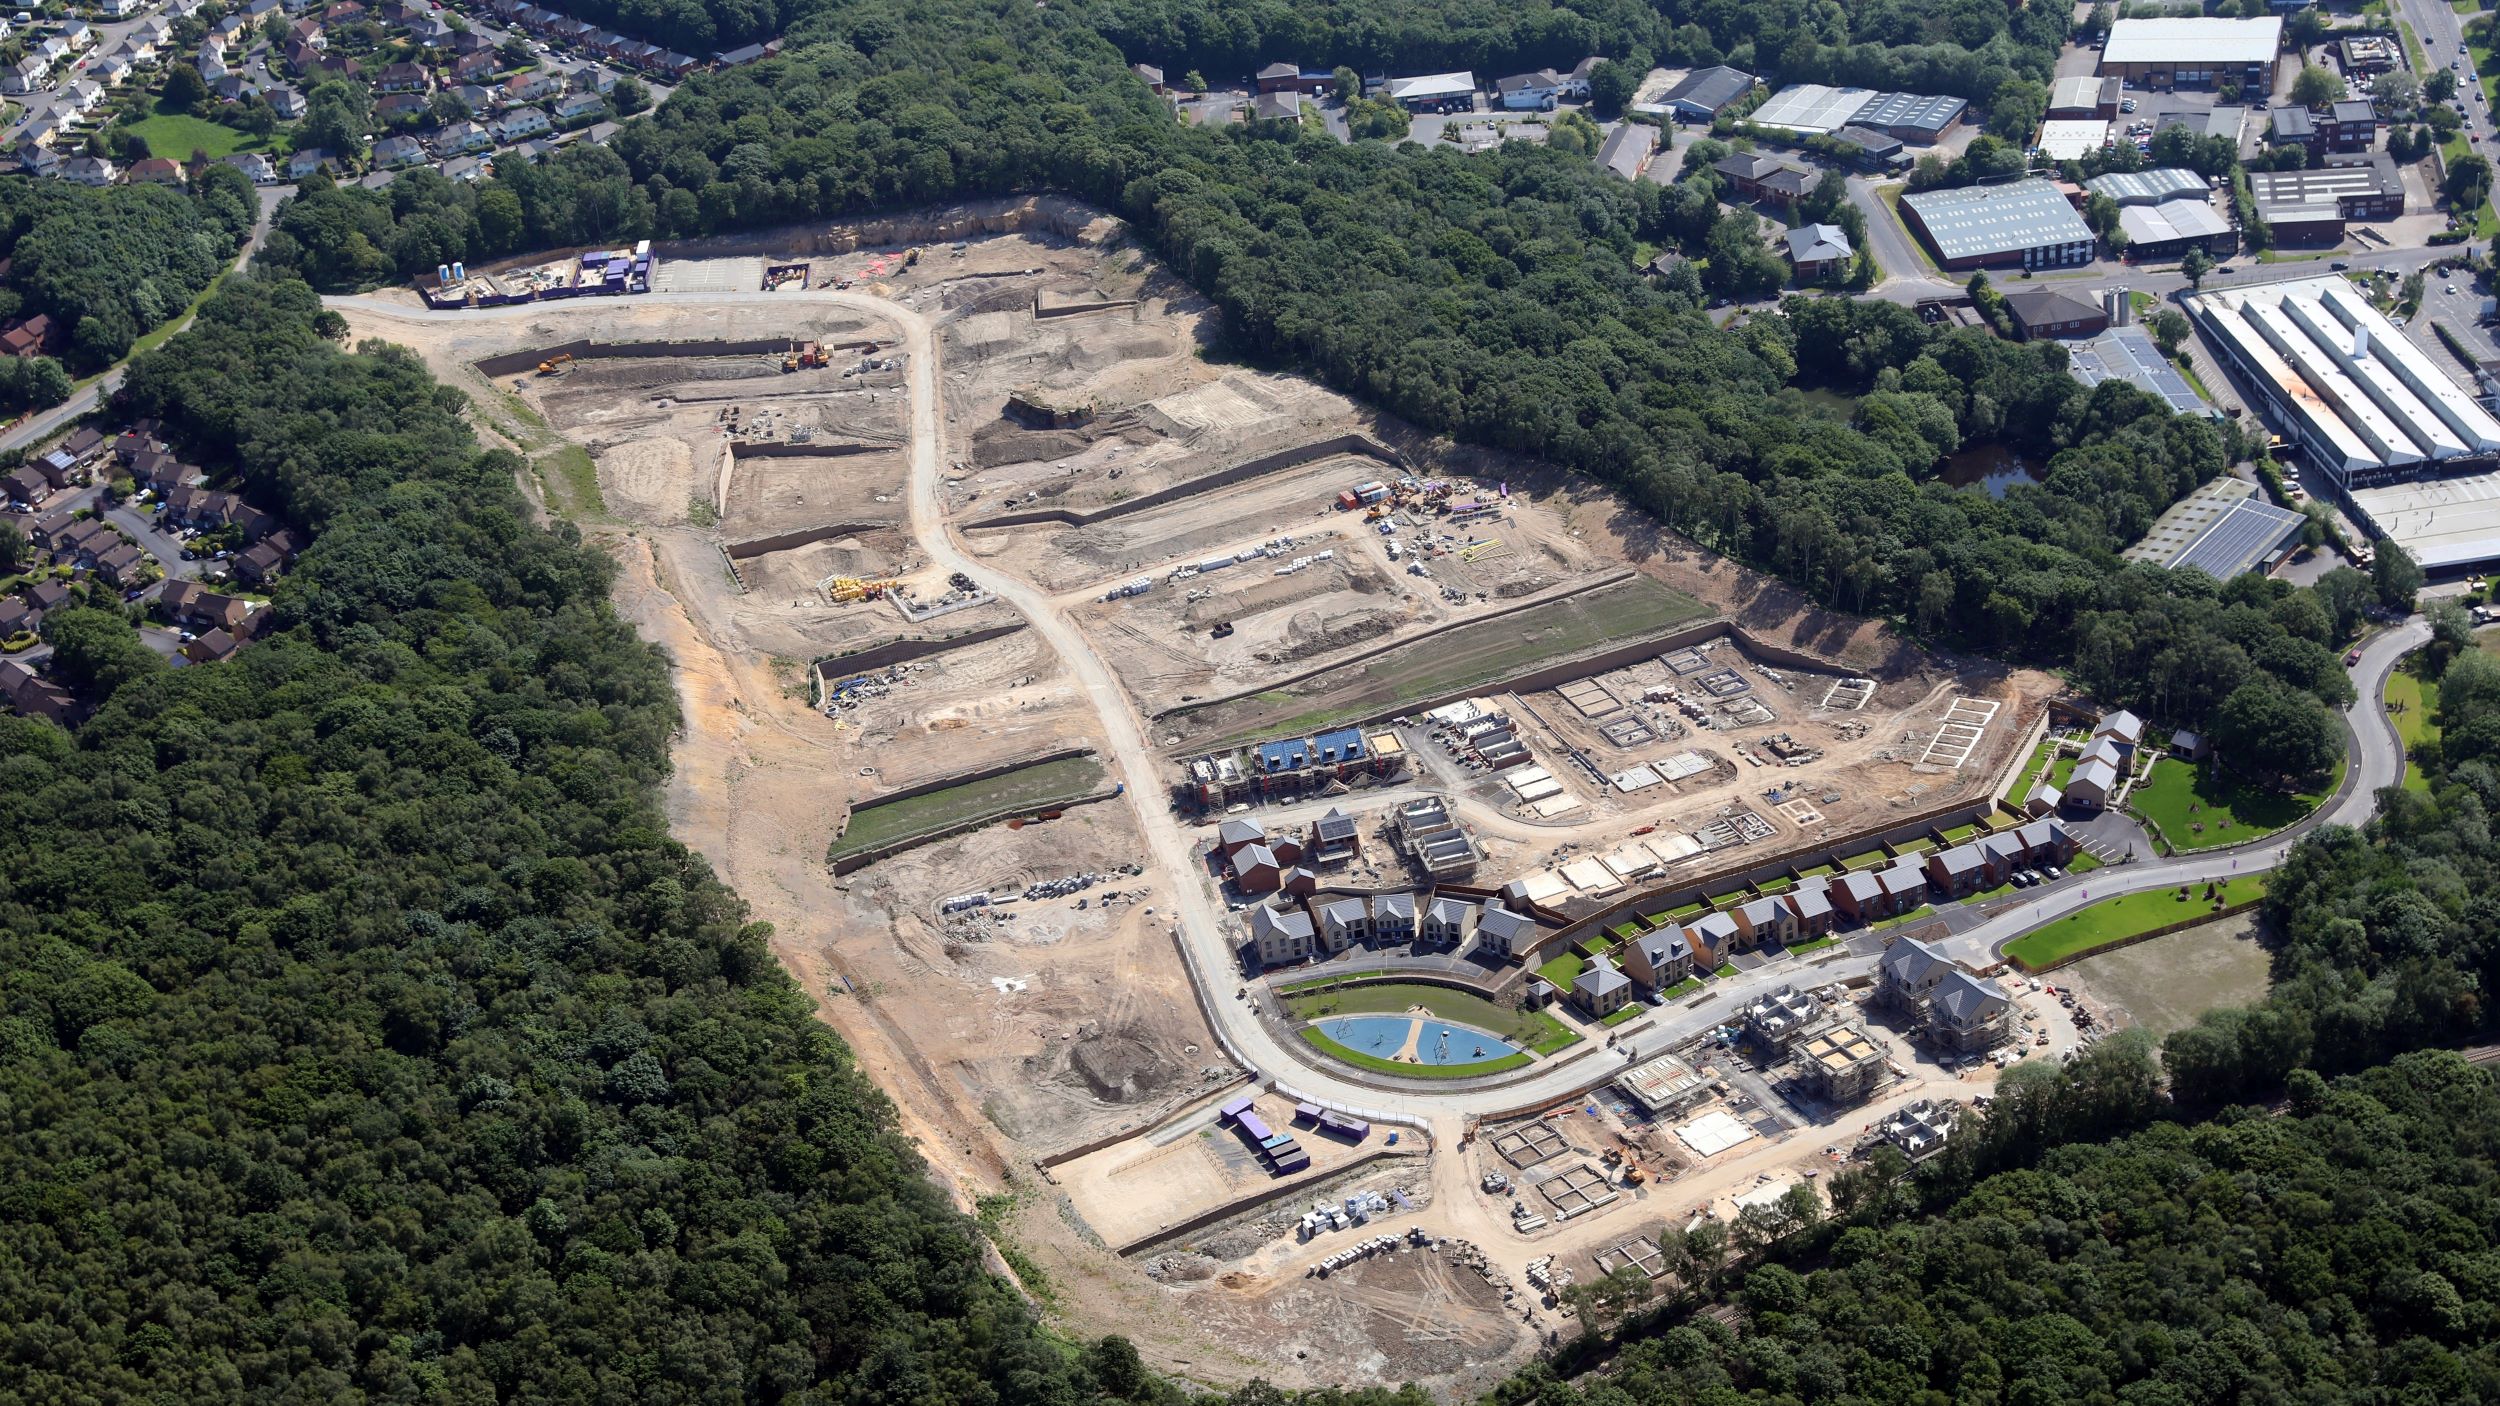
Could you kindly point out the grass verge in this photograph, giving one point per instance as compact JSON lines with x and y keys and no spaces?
{"x":2413,"y":706}
{"x":1623,"y":1014}
{"x":2115,"y":920}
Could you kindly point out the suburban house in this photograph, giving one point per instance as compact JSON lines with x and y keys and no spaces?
{"x":1909,"y":973}
{"x":1503,"y":932}
{"x":1811,"y":901}
{"x":573,"y":107}
{"x":25,"y":486}
{"x":88,"y":171}
{"x":1658,"y":960}
{"x":1235,"y":835}
{"x":1529,"y":92}
{"x":1446,"y":921}
{"x":1344,"y":922}
{"x":286,"y":102}
{"x":1393,"y":917}
{"x":267,"y":558}
{"x":531,"y":87}
{"x":192,"y":604}
{"x":468,"y":68}
{"x":1600,"y":990}
{"x":1960,"y":870}
{"x":39,"y":160}
{"x":24,"y":76}
{"x":463,"y":136}
{"x":156,"y":170}
{"x":520,"y":124}
{"x":1774,"y":1022}
{"x":1280,"y":935}
{"x":1818,"y":252}
{"x":1764,"y":920}
{"x":404,"y":77}
{"x":28,"y":338}
{"x":120,"y":563}
{"x":1257,"y":870}
{"x":1712,"y":935}
{"x":2124,"y":729}
{"x":391,"y":107}
{"x":35,"y":696}
{"x":304,"y":163}
{"x":1334,"y":838}
{"x":1966,"y":1014}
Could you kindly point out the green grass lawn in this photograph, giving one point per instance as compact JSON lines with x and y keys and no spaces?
{"x":1960,"y":833}
{"x":2117,"y":919}
{"x":1533,"y":1030}
{"x":2413,"y":706}
{"x":1623,"y":1014}
{"x":1821,"y":870}
{"x":2084,"y":862}
{"x":1378,"y":1065}
{"x":1683,"y":988}
{"x":1811,"y":944}
{"x":1782,"y":885}
{"x":1924,"y":910}
{"x":2181,"y":797}
{"x":176,"y":135}
{"x":2486,"y":222}
{"x":1564,"y":970}
{"x":1725,"y":970}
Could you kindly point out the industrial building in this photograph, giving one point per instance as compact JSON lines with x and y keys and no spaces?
{"x":2223,"y":529}
{"x":2311,"y":206}
{"x":1706,"y":92}
{"x":2084,"y":97}
{"x":2367,"y":409}
{"x":2168,"y":230}
{"x":2027,"y":224}
{"x":2040,"y":313}
{"x":2072,"y":138}
{"x":1815,"y":109}
{"x":2153,"y":187}
{"x":2222,"y":121}
{"x":2128,"y":354}
{"x":2194,"y":53}
{"x":1434,"y":92}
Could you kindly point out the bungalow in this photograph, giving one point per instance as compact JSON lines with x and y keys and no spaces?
{"x":1344,"y":923}
{"x":1257,"y":870}
{"x":463,"y":136}
{"x":1765,"y":920}
{"x":88,"y":171}
{"x":1658,"y":960}
{"x":1600,"y":989}
{"x":287,"y":102}
{"x":254,"y":166}
{"x":1811,"y":901}
{"x":573,"y":107}
{"x":1393,"y":917}
{"x":1280,"y":935}
{"x":1503,"y":932}
{"x":307,"y":161}
{"x":405,"y":78}
{"x":398,"y":151}
{"x":1446,"y":921}
{"x":156,"y":170}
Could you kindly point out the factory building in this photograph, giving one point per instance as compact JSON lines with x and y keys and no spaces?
{"x":2028,"y":224}
{"x":2311,"y":206}
{"x":2194,"y":53}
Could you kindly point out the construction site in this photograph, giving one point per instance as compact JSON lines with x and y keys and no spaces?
{"x":964,"y":551}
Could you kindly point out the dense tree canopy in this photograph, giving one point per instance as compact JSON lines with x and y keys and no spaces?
{"x":111,"y":264}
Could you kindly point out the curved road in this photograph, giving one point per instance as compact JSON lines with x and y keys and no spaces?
{"x":1204,"y":931}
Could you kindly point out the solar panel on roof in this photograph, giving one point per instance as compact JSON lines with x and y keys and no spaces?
{"x":2246,"y":534}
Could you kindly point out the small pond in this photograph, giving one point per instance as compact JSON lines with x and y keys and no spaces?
{"x":1992,"y":467}
{"x":1436,"y":1042}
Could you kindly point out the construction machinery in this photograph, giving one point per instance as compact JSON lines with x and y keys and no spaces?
{"x":554,"y":365}
{"x":911,"y":256}
{"x":806,"y":354}
{"x":847,"y":589}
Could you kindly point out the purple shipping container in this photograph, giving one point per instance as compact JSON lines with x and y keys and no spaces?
{"x":1354,"y":1128}
{"x":1255,"y":1127}
{"x":1306,"y":1113}
{"x":1233,"y":1110}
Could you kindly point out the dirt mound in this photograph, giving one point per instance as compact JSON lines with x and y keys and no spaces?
{"x":1117,"y":1066}
{"x":1312,"y":634}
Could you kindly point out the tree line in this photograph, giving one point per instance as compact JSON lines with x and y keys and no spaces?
{"x":110,"y":264}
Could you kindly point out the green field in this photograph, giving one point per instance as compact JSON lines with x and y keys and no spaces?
{"x":1534,"y":1030}
{"x":1378,"y":1065}
{"x":1453,"y":661}
{"x":2413,"y":706}
{"x":1024,"y":789}
{"x":2181,"y":797}
{"x":2117,"y":919}
{"x":175,"y":136}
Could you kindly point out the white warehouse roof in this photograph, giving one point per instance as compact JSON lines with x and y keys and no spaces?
{"x":2209,"y":43}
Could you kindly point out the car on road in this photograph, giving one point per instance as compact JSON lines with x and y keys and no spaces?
{"x":2352,"y":658}
{"x":2339,"y":266}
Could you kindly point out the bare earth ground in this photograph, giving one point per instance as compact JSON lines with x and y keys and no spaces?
{"x":2166,"y":983}
{"x":1005,"y":1038}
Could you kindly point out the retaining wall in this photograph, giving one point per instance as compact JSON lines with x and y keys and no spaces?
{"x":756,"y":547}
{"x":816,"y":449}
{"x":886,"y":656}
{"x":1256,"y":1199}
{"x":1190,"y":1109}
{"x":854,"y":862}
{"x":1283,"y":459}
{"x":584,"y":349}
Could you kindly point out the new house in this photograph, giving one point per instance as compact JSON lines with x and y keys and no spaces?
{"x":1601,"y":990}
{"x":1658,"y":960}
{"x":1280,"y":935}
{"x":1503,"y":932}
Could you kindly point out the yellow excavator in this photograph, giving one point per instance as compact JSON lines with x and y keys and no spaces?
{"x":847,"y":589}
{"x":554,"y":365}
{"x":808,"y":354}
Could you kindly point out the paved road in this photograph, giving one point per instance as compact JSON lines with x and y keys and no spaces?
{"x":1208,"y":936}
